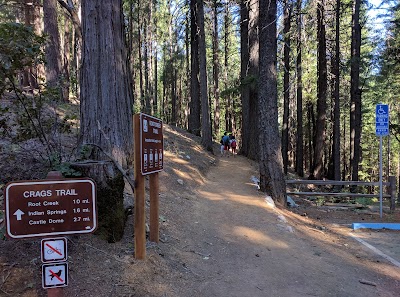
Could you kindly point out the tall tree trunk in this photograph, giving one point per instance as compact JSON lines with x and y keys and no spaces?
{"x":155,"y":103}
{"x":299,"y":94}
{"x":187,"y":76}
{"x":206,"y":137}
{"x":66,"y":59}
{"x":52,"y":49}
{"x":345,"y":167}
{"x":355,"y":96}
{"x":77,"y":43}
{"x":310,"y":129}
{"x":72,"y":11}
{"x":253,"y":135}
{"x":319,"y":143}
{"x":286,"y":87}
{"x":336,"y":110}
{"x":33,"y":75}
{"x":155,"y":91}
{"x":164,"y":81}
{"x":271,"y":165}
{"x":140,"y":62}
{"x":106,"y":106}
{"x":244,"y":61}
{"x":150,"y":43}
{"x":194,"y":115}
{"x":171,"y":68}
{"x":229,"y":106}
{"x":147,"y":107}
{"x":216,"y":69}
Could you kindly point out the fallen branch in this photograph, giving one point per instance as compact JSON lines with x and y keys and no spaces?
{"x":316,"y":230}
{"x":5,"y":279}
{"x":8,"y":294}
{"x":365,"y":282}
{"x":119,"y":167}
{"x":200,"y":254}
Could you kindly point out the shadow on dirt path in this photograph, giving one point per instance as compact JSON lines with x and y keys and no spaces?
{"x":219,"y":238}
{"x":236,"y":245}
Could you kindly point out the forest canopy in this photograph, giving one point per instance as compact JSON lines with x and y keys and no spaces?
{"x":336,"y":59}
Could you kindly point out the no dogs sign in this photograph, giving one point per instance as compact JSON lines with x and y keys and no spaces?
{"x":54,"y":275}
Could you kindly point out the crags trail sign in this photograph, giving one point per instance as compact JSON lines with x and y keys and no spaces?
{"x":50,"y":207}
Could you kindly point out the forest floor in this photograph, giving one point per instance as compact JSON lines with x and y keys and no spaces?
{"x":219,"y":237}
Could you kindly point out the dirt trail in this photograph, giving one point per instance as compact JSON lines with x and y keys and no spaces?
{"x":236,"y":245}
{"x":219,"y":240}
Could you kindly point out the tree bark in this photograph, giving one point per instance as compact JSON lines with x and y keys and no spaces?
{"x":35,"y":74}
{"x":229,"y":105}
{"x":299,"y":95}
{"x":244,"y":89}
{"x":336,"y":94}
{"x":140,"y":62}
{"x":187,"y":66}
{"x":52,"y":49}
{"x":206,"y":137}
{"x":74,"y":17}
{"x":106,"y":103}
{"x":310,"y":130}
{"x":271,"y":165}
{"x":216,"y":69}
{"x":286,"y":87}
{"x":77,"y":42}
{"x":66,"y":59}
{"x":319,"y":143}
{"x":253,"y":75}
{"x":355,"y":95}
{"x":194,"y":115}
{"x":147,"y":107}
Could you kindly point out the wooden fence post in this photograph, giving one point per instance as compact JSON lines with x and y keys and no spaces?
{"x":392,"y":189}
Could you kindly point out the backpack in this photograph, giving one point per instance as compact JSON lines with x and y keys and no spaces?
{"x":233,"y":143}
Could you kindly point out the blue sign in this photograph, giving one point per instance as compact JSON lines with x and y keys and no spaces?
{"x":382,"y":120}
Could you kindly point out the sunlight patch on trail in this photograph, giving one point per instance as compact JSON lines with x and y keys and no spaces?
{"x":175,"y":159}
{"x":242,"y":199}
{"x":258,"y":237}
{"x":211,"y":195}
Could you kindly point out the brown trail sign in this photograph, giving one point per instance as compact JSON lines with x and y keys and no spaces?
{"x":149,"y":159}
{"x":151,"y":144}
{"x":41,"y":208}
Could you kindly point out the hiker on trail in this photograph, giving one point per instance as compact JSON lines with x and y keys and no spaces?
{"x":225,"y":141}
{"x":233,"y":145}
{"x":222,"y":147}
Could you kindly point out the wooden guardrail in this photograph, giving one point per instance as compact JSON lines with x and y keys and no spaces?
{"x":391,"y":193}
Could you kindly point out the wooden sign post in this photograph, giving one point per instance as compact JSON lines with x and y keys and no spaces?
{"x":140,"y":217}
{"x":154,"y":207}
{"x":149,"y":160}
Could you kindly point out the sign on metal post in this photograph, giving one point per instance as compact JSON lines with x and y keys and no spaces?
{"x":382,"y":120}
{"x":381,"y":129}
{"x":42,"y":208}
{"x":151,"y":144}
